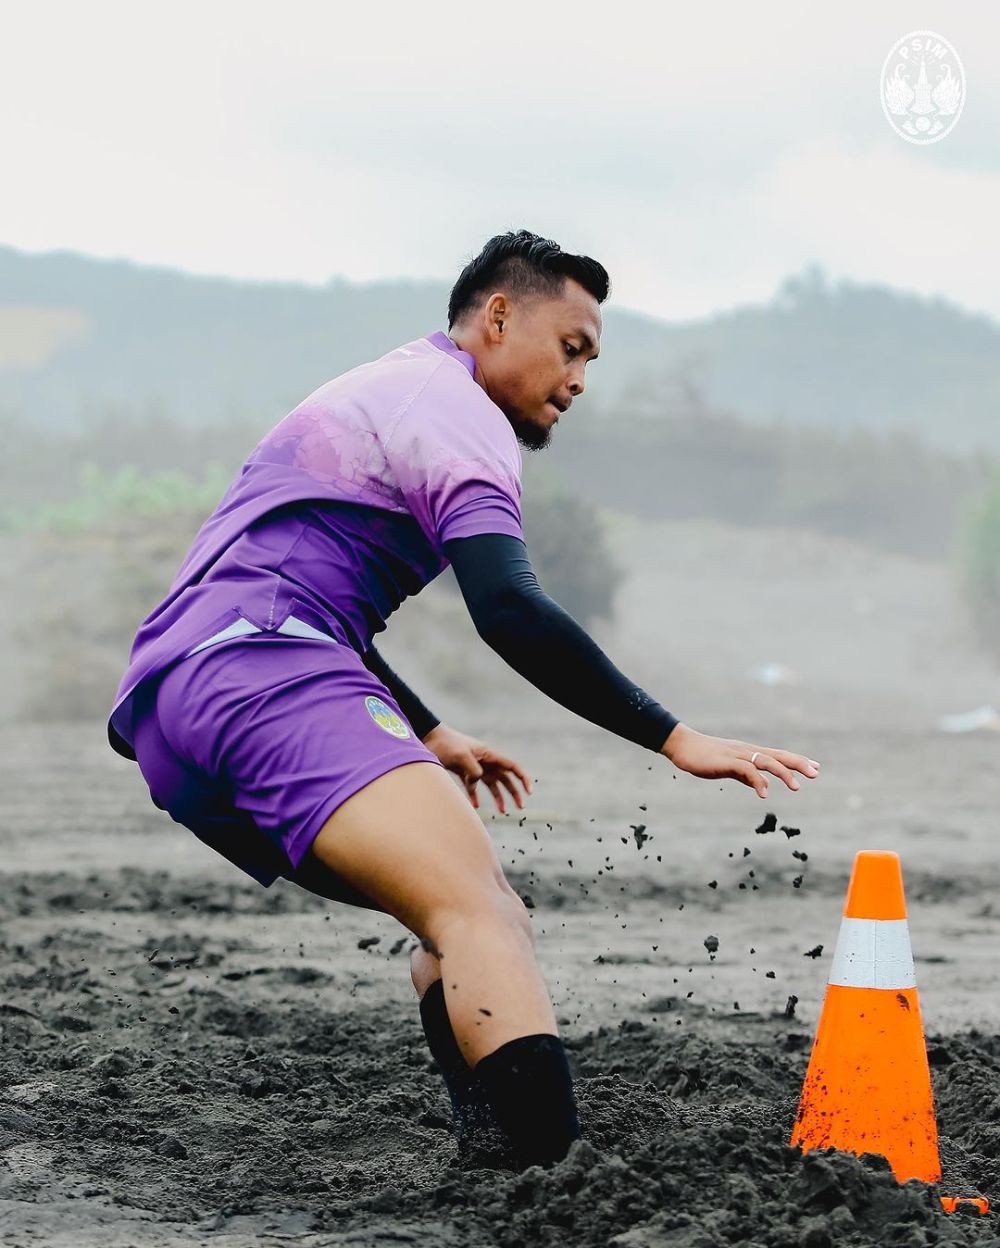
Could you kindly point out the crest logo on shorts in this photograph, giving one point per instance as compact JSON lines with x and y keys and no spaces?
{"x":386,"y":717}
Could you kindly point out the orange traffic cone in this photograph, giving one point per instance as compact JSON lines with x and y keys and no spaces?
{"x":868,"y":1086}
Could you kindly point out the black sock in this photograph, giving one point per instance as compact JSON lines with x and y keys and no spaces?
{"x":529,"y":1083}
{"x":472,"y":1112}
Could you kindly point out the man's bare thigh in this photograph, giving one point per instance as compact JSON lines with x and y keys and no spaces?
{"x":411,"y":841}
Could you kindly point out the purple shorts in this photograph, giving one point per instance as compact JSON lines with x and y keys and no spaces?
{"x":255,"y":741}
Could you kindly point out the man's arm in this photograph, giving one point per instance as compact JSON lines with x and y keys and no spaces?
{"x":541,"y":641}
{"x":421,"y":720}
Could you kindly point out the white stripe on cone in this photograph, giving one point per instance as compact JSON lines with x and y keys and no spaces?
{"x":873,"y":953}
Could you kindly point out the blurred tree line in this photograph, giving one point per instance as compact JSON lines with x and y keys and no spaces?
{"x":825,"y":353}
{"x":889,"y":491}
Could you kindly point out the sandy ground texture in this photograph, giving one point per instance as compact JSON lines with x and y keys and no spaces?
{"x":187,"y":1058}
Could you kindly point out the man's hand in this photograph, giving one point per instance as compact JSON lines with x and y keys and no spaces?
{"x":715,"y":758}
{"x":473,"y":761}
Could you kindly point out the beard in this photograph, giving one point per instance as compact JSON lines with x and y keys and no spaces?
{"x":530,"y":435}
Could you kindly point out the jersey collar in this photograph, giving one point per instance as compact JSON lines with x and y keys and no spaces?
{"x":441,"y":340}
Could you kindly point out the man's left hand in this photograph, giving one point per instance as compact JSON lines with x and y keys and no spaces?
{"x":472,"y":761}
{"x":715,"y":758}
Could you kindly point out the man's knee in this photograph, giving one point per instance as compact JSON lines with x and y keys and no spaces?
{"x":523,"y":918}
{"x":495,"y":907}
{"x":511,"y":911}
{"x":518,"y":907}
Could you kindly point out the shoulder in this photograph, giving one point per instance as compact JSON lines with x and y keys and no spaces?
{"x":382,"y":388}
{"x":452,"y":409}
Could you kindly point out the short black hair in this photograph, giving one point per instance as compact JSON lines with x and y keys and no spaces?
{"x":526,"y":265}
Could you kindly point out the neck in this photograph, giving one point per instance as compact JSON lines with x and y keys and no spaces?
{"x":462,"y":340}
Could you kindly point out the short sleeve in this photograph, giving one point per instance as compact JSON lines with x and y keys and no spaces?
{"x":455,"y":460}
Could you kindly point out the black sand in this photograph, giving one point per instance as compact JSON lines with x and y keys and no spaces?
{"x":174,"y":1088}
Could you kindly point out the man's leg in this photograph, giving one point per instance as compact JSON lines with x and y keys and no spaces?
{"x":411,"y":842}
{"x":425,"y":968}
{"x":475,"y":1126}
{"x":477,"y":1131}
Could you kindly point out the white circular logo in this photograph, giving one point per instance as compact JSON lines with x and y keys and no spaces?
{"x":923,"y":87}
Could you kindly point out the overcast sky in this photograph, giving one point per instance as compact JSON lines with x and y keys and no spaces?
{"x":701,"y":154}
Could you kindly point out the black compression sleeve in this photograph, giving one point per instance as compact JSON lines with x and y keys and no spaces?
{"x":531,"y":632}
{"x":421,"y":720}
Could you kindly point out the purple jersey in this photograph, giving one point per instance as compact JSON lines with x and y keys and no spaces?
{"x":341,"y":511}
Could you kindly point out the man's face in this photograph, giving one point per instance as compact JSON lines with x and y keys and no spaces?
{"x":533,"y":367}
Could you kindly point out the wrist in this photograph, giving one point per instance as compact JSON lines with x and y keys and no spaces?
{"x":674,"y":738}
{"x":432,"y":732}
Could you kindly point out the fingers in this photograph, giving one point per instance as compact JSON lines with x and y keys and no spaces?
{"x":509,"y":785}
{"x":502,"y":769}
{"x":782,"y":764}
{"x":766,"y":762}
{"x":509,"y":765}
{"x":750,"y":774}
{"x":494,"y":782}
{"x":494,"y":788}
{"x":495,"y":770}
{"x":797,"y":762}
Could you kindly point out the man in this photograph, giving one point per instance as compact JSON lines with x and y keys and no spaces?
{"x":263,"y":719}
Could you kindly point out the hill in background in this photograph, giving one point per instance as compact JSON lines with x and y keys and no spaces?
{"x":79,"y":335}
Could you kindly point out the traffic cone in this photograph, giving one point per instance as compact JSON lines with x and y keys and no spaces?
{"x":868,"y":1086}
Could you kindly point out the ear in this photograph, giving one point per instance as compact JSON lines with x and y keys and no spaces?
{"x":496,"y":312}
